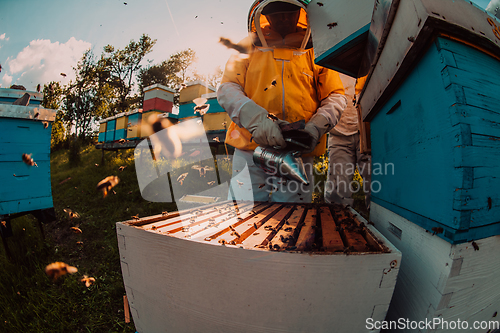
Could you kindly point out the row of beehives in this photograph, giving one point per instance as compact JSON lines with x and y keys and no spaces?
{"x":268,"y":226}
{"x":158,"y":101}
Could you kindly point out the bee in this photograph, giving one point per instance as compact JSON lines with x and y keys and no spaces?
{"x":36,"y":115}
{"x":87,"y":280}
{"x":45,"y":124}
{"x":71,"y":213}
{"x":154,"y":227}
{"x":272,"y":117}
{"x":135,"y":217}
{"x":262,"y":185}
{"x":63,"y":74}
{"x":273,"y":84}
{"x":288,"y":229}
{"x":320,"y":4}
{"x":202,"y":170}
{"x":331,"y":25}
{"x":4,"y":223}
{"x":202,"y":109}
{"x":240,"y":184}
{"x":235,"y":233}
{"x":211,"y":183}
{"x":28,"y":160}
{"x":107,"y":184}
{"x":182,"y":177}
{"x":121,"y":168}
{"x":222,"y":241}
{"x":476,"y":247}
{"x":58,"y":269}
{"x":76,"y":230}
{"x":79,"y":243}
{"x":165,"y":213}
{"x":121,"y":141}
{"x":216,"y":139}
{"x":230,"y":45}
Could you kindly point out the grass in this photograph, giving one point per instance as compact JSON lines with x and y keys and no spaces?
{"x":29,"y":300}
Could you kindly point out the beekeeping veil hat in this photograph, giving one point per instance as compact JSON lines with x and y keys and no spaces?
{"x":259,"y":24}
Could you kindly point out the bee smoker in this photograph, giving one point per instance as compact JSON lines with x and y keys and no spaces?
{"x":286,"y":164}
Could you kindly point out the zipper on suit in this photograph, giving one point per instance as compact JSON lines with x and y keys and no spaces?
{"x":283,"y":88}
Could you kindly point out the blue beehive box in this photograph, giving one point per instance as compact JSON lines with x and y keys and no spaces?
{"x":450,"y":104}
{"x":24,"y":130}
{"x":110,"y":130}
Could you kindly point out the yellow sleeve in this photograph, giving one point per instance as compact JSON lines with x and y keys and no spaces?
{"x":328,"y":82}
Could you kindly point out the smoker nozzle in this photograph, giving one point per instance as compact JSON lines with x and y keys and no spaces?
{"x":286,"y":164}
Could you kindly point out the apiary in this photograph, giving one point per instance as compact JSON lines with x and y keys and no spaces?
{"x":263,"y":267}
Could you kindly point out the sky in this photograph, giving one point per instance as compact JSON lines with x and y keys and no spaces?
{"x":41,"y":39}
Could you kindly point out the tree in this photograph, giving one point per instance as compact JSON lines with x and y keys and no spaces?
{"x":121,"y":66}
{"x":211,"y":79}
{"x":52,"y":99}
{"x":86,"y":99}
{"x":170,"y":73}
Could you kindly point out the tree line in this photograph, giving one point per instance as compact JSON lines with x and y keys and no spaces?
{"x":111,"y":84}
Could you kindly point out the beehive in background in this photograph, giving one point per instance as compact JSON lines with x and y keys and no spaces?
{"x":216,"y":118}
{"x":24,"y":130}
{"x":110,"y":129}
{"x":194,"y":90}
{"x":9,"y":96}
{"x":158,"y":97}
{"x":134,"y":119}
{"x":121,"y":126}
{"x":102,"y":131}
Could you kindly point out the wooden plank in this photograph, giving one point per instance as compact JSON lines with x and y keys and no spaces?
{"x":307,"y":232}
{"x":126,"y":309}
{"x":267,"y":226}
{"x":352,"y":232}
{"x":258,"y":216}
{"x":332,"y":241}
{"x":287,"y":234}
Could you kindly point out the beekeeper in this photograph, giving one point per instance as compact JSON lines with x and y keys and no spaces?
{"x":277,"y":76}
{"x":344,"y":153}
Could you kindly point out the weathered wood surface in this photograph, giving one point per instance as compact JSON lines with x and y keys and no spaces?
{"x":179,"y":284}
{"x":446,"y":159}
{"x":268,"y":226}
{"x":438,"y":279}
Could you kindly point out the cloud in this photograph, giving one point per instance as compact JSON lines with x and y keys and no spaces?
{"x":6,"y":81}
{"x":2,"y":37}
{"x":42,"y":61}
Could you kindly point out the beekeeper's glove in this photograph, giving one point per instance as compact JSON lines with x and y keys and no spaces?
{"x":264,"y":130}
{"x":317,"y":126}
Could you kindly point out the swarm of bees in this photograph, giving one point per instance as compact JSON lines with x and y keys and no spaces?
{"x":28,"y":160}
{"x":107,"y":184}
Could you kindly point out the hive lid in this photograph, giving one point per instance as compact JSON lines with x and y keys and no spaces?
{"x":27,"y":112}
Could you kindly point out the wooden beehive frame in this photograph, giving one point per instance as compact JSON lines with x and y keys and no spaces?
{"x":269,"y":226}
